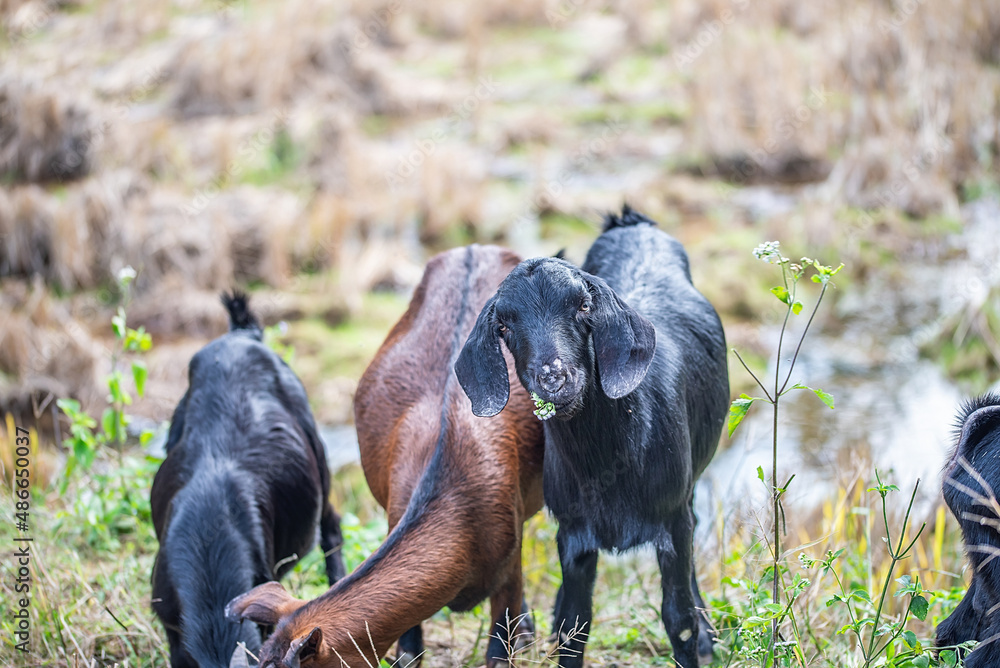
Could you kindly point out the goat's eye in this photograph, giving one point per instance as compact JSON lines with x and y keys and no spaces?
{"x":585,"y":308}
{"x":502,"y":328}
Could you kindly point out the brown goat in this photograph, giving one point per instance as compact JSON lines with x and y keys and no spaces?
{"x":457,"y":490}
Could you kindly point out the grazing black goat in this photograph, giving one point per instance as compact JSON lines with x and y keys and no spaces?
{"x":631,"y":361}
{"x":238,"y":498}
{"x":971,"y":480}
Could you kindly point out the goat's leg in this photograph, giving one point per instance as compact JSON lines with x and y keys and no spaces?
{"x":985,"y":594}
{"x":987,"y":652}
{"x":512,"y":626}
{"x":574,"y":602}
{"x":706,"y":634}
{"x":963,"y":622}
{"x":331,"y":540}
{"x":680,"y":618}
{"x":410,"y":650}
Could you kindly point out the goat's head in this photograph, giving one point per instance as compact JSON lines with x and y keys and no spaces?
{"x":562,"y":325}
{"x":294,"y":643}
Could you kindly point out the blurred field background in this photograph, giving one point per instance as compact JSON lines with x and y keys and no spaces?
{"x":319,"y":152}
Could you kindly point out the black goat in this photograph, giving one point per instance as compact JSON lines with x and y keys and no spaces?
{"x":239,"y":496}
{"x":971,"y":480}
{"x":631,"y":360}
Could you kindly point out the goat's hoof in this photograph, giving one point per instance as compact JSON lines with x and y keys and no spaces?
{"x":406,"y":660}
{"x":706,"y":643}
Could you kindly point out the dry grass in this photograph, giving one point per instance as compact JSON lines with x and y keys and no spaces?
{"x":44,"y":135}
{"x":45,"y":352}
{"x":321,"y":150}
{"x":884,"y":114}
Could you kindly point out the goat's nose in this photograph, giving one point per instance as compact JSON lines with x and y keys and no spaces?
{"x":552,"y":376}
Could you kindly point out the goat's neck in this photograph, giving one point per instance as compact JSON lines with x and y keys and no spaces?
{"x":419,"y":569}
{"x":601,"y":420}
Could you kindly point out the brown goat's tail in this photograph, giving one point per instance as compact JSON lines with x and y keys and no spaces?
{"x":240,"y":316}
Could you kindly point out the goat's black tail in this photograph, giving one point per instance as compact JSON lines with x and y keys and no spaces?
{"x":627,"y":218}
{"x":240,"y":317}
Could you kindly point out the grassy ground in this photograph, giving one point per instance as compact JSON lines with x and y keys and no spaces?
{"x":93,"y":557}
{"x":90,"y":579}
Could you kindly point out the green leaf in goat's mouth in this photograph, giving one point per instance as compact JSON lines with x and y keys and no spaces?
{"x":543,"y":409}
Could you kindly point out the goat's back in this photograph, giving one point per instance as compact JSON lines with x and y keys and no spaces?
{"x":408,"y":401}
{"x":649,"y":270}
{"x":245,"y":405}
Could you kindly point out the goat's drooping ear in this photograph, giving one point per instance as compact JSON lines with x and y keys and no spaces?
{"x":623,"y":340}
{"x":264,"y":604}
{"x":304,"y":648}
{"x":481,"y":368}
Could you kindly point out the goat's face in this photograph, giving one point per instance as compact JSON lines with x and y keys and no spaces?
{"x":562,"y":325}
{"x":294,"y":643}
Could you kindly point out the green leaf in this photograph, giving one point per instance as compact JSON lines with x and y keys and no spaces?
{"x":948,"y":657}
{"x":118,"y":323}
{"x":796,"y":307}
{"x":922,"y":661}
{"x":109,"y":422}
{"x":115,"y":388}
{"x":861,"y":595}
{"x":738,"y":411}
{"x":918,"y":606}
{"x":781,"y":293}
{"x":910,"y":638}
{"x":760,"y":473}
{"x":825,"y":397}
{"x":146,"y":436}
{"x":139,"y":373}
